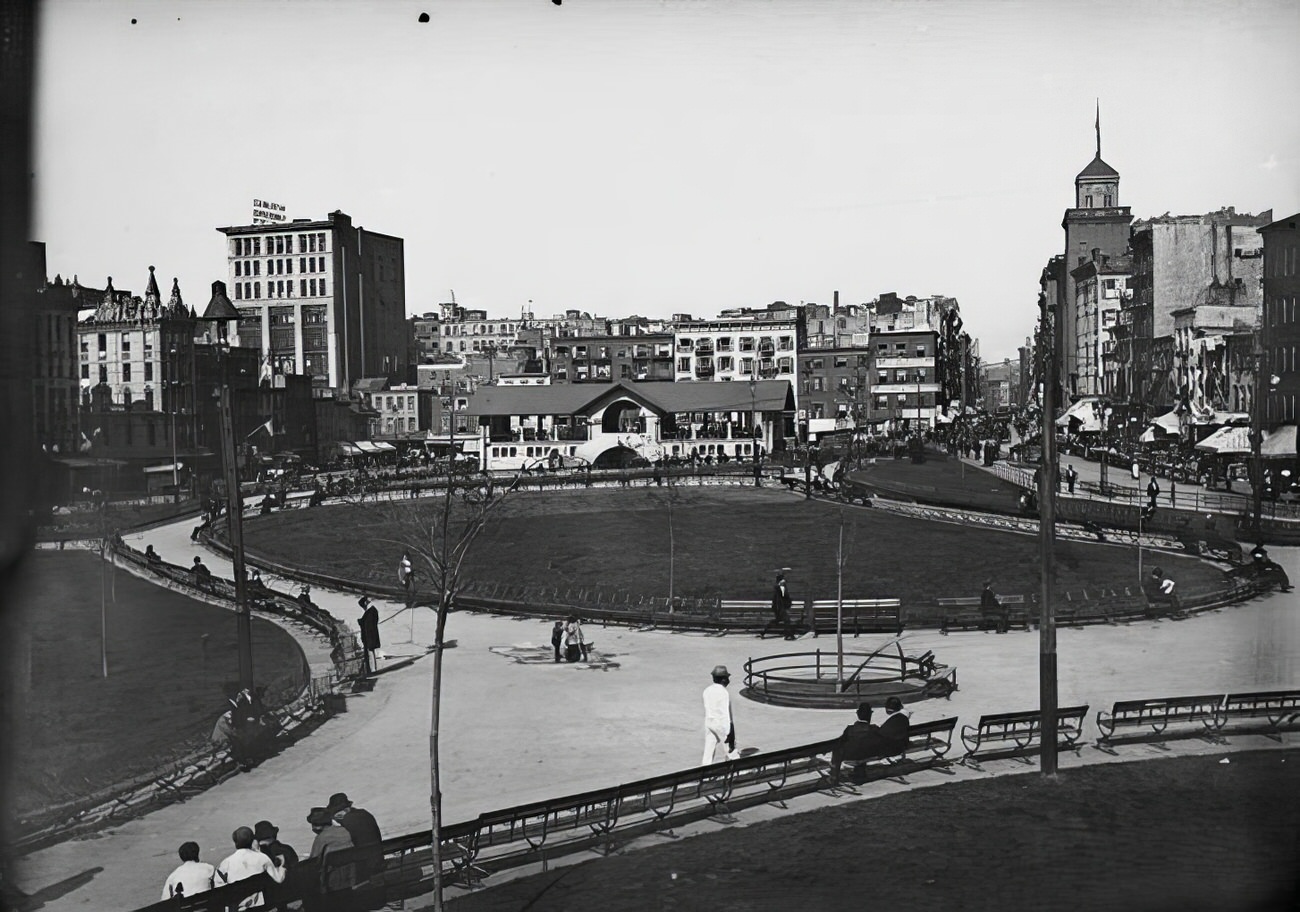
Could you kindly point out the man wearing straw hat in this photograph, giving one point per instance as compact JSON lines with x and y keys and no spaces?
{"x":719,"y":729}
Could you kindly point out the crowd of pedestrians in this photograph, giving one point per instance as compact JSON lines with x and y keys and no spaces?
{"x":318,"y":882}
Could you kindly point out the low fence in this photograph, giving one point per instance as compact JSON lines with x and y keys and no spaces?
{"x":1100,"y":605}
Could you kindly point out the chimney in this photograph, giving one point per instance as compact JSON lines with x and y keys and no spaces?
{"x":837,"y":299}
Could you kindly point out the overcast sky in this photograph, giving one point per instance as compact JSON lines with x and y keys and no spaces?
{"x":633,"y":156}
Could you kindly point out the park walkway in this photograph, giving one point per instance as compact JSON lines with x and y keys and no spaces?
{"x":517,"y":732}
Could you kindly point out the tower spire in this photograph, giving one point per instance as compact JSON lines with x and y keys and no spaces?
{"x":1099,"y":127}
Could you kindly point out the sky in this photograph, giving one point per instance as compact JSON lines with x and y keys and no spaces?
{"x":655,"y":156}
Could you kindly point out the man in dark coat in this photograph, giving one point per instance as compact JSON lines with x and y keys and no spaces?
{"x":369,"y":625}
{"x":781,"y":605}
{"x":364,"y":830}
{"x":893,"y":731}
{"x":991,"y":608}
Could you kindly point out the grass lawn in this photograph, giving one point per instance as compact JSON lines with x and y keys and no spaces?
{"x":728,"y":542}
{"x":78,"y":731}
{"x":1186,"y":834}
{"x":941,"y":481}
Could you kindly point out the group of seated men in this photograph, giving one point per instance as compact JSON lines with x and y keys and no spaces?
{"x":864,"y":740}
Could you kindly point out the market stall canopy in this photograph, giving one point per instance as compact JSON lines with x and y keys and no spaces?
{"x":1167,"y":423}
{"x":1280,"y":443}
{"x":348,"y":449}
{"x":1148,"y":436}
{"x":1086,"y":412}
{"x":1226,"y":440}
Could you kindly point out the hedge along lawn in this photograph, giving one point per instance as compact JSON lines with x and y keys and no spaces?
{"x":78,"y":731}
{"x":728,"y":543}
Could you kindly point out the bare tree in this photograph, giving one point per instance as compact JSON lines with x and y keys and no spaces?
{"x":439,"y":533}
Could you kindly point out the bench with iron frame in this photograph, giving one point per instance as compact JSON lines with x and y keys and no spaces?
{"x":1149,"y":720}
{"x":862,"y":615}
{"x":749,"y":614}
{"x":1017,"y":734}
{"x":930,"y":740}
{"x":965,"y":612}
{"x":1268,"y":713}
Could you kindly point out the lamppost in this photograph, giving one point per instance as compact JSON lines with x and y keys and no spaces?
{"x":1105,"y":448}
{"x":220,"y":312}
{"x":920,"y":375}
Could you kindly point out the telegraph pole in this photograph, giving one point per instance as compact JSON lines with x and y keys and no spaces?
{"x":1047,"y":544}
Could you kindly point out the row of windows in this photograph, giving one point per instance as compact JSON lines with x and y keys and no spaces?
{"x":725,"y":362}
{"x":280,"y":288}
{"x":537,"y":452}
{"x":1283,"y":262}
{"x":387,"y":403}
{"x":746,"y":343}
{"x":278,"y":267}
{"x":900,"y":349}
{"x":840,"y":361}
{"x":480,"y":329}
{"x":400,"y":425}
{"x":278,"y":243}
{"x":1281,"y":311}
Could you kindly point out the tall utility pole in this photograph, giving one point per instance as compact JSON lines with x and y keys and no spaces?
{"x":1047,"y":545}
{"x":1257,"y":438}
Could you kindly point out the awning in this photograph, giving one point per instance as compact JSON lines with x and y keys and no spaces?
{"x":1167,"y":423}
{"x":385,"y":446}
{"x":177,"y":466}
{"x":1148,"y":436}
{"x":1226,"y":440}
{"x":1280,"y":443}
{"x":348,"y":449}
{"x":366,"y":446}
{"x":1086,"y":411}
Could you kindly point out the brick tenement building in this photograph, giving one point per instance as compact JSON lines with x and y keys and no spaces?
{"x":834,"y":389}
{"x":1281,"y":320}
{"x":322,"y":298}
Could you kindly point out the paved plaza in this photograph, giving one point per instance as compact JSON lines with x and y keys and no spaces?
{"x":515,"y":731}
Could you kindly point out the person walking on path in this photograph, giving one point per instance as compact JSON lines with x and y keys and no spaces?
{"x":369,"y":624}
{"x":1153,"y":491}
{"x":575,"y":645}
{"x":781,"y":605}
{"x":992,"y":608}
{"x":719,"y":727}
{"x":1173,"y":493}
{"x":246,"y":862}
{"x":406,"y":578}
{"x":557,"y":637}
{"x":192,"y":877}
{"x":1071,"y":476}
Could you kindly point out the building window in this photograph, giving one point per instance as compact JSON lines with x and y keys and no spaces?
{"x":239,"y":291}
{"x":85,"y":372}
{"x":257,"y":267}
{"x":257,"y":289}
{"x":148,"y":370}
{"x":103,"y":373}
{"x":257,"y":246}
{"x":126,"y":370}
{"x":126,"y":344}
{"x":322,"y":287}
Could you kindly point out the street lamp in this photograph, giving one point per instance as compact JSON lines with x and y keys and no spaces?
{"x":220,"y":312}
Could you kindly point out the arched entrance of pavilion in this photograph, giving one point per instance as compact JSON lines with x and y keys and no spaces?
{"x":618,"y":457}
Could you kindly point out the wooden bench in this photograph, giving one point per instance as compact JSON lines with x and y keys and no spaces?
{"x":757,"y":613}
{"x":1014,"y":735}
{"x":1204,"y":714}
{"x":966,"y":613}
{"x":1280,"y":710}
{"x":879,"y":615}
{"x":574,"y":821}
{"x":930,"y":740}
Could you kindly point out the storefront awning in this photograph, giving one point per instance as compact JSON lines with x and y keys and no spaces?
{"x":1167,"y":423}
{"x":1086,"y":413}
{"x":348,"y":449}
{"x":367,"y":447}
{"x":385,"y":446}
{"x":1226,"y":440}
{"x":166,"y":467}
{"x":1280,"y":443}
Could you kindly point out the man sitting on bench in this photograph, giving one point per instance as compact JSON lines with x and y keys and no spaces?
{"x":1159,"y":591}
{"x":863,"y":741}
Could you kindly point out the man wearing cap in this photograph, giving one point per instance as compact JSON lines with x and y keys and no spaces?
{"x":719,"y":730}
{"x":364,"y":830}
{"x":246,"y":862}
{"x":369,"y":624}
